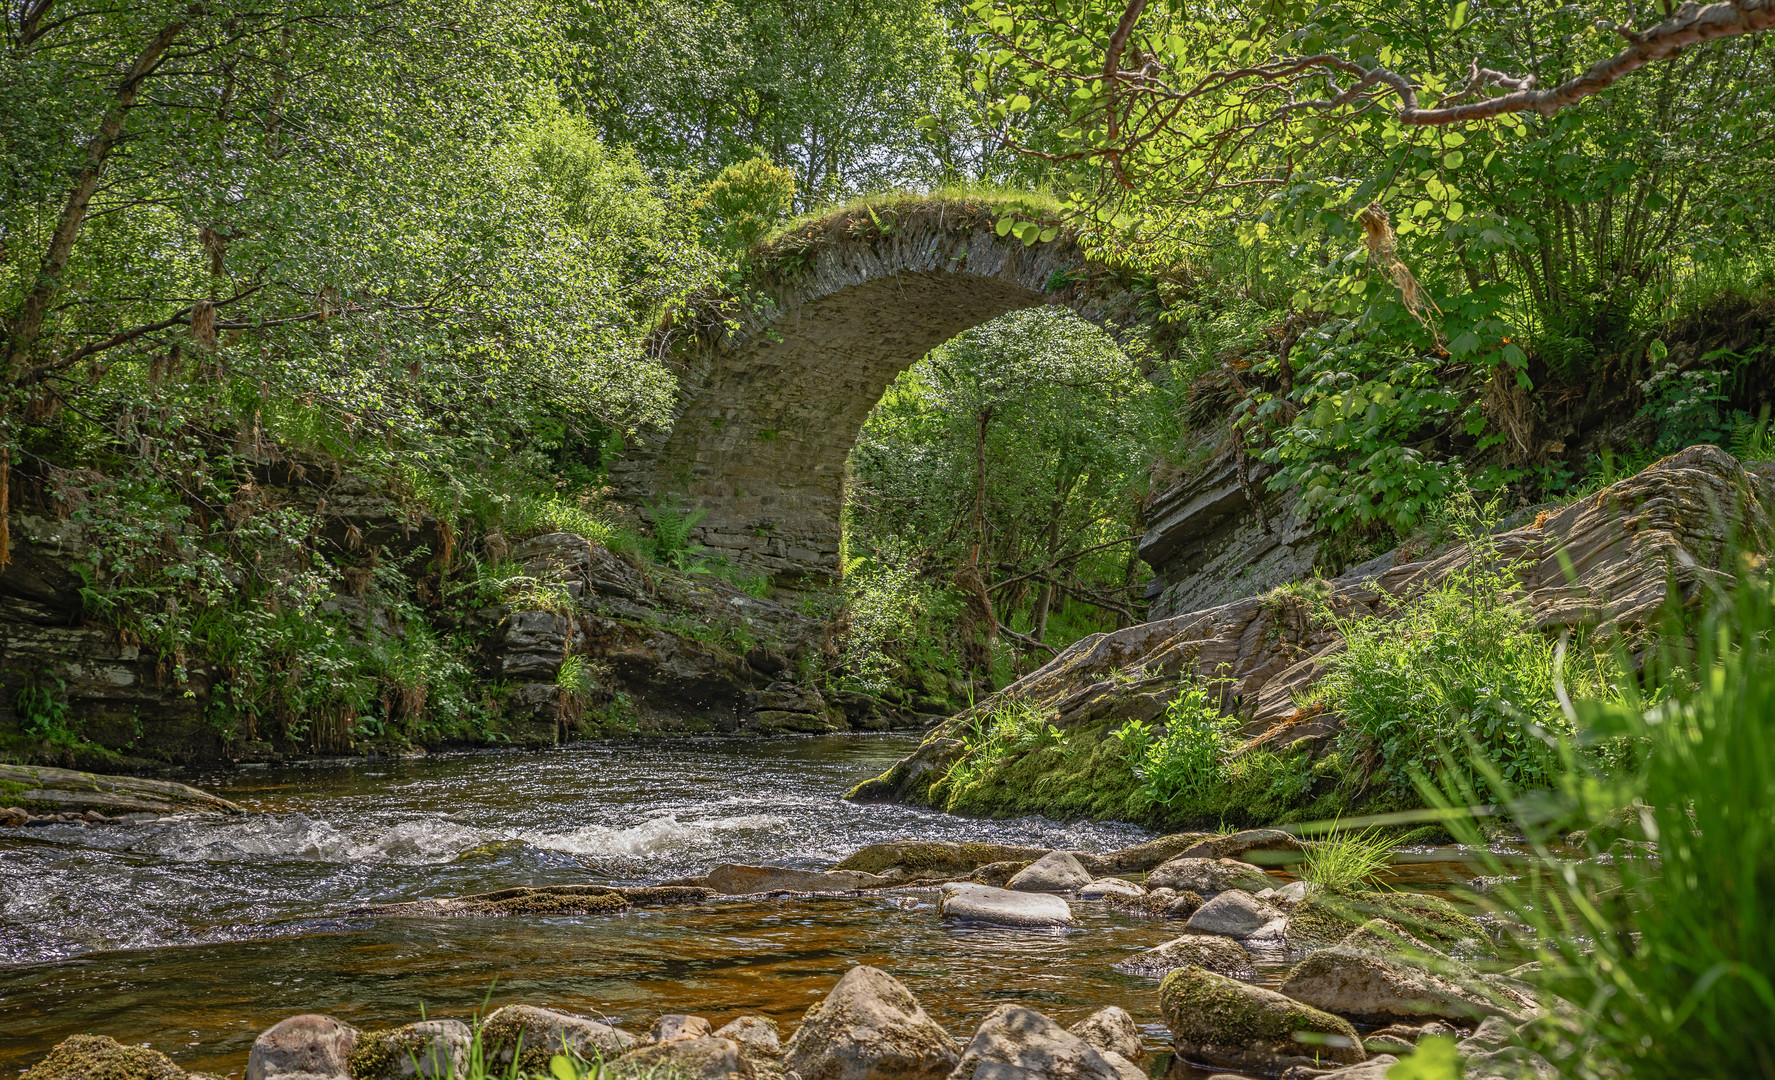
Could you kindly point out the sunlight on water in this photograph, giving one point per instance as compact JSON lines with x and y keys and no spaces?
{"x":196,"y":934}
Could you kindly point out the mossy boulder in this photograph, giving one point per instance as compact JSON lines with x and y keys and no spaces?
{"x":1324,"y":919}
{"x":533,"y":1036}
{"x":1211,"y":951}
{"x":546,"y":900}
{"x":430,"y":1048}
{"x":1375,"y":989}
{"x":1230,"y":1024}
{"x":100,"y":1057}
{"x":934,"y":859}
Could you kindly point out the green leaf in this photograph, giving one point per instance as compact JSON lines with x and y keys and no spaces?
{"x":1004,"y":225}
{"x":1458,"y":17}
{"x":1453,"y":159}
{"x":1657,"y":350}
{"x":561,"y":1068}
{"x":1455,"y":211}
{"x":1020,"y":103}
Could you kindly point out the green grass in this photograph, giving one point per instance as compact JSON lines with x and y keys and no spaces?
{"x":1346,"y":861}
{"x":884,"y":208}
{"x":1666,"y":949}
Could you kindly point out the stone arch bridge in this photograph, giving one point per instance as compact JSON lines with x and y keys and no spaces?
{"x":776,"y":378}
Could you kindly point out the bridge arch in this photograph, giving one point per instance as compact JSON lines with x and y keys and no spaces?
{"x":776,"y":379}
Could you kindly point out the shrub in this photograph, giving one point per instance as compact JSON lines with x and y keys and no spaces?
{"x":1182,"y":764}
{"x":1461,"y":664}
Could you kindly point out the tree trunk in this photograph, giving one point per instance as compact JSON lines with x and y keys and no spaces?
{"x":28,"y":326}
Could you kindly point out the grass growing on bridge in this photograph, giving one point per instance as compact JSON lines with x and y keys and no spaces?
{"x":959,"y":207}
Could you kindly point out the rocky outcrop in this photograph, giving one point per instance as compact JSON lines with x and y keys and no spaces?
{"x":1111,"y":1030}
{"x":65,"y":791}
{"x":1214,"y":537}
{"x":1671,"y":525}
{"x":704,"y":1057}
{"x":869,"y":1027}
{"x":1223,"y":1022}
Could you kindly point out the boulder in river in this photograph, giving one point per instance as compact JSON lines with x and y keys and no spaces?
{"x":757,"y":1034}
{"x":1255,"y":843}
{"x":1057,"y":871}
{"x":1143,"y":857}
{"x":869,"y":1027}
{"x":968,"y":902}
{"x":1375,"y":989}
{"x":674,"y":1026}
{"x":100,"y":1057}
{"x":1223,"y":1022}
{"x":1111,"y":1029}
{"x":430,"y":1049}
{"x":305,"y":1047}
{"x":1209,"y":876}
{"x":1015,"y":1041}
{"x":702,"y":1058}
{"x":1492,"y":1052}
{"x":735,"y":879}
{"x":1211,"y":951}
{"x":933,"y":860}
{"x":1237,"y":914}
{"x":64,"y":791}
{"x":543,"y":1033}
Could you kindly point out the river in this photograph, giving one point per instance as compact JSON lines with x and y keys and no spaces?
{"x":194,"y":935}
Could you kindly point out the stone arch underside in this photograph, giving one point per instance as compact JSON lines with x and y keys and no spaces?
{"x":768,"y":410}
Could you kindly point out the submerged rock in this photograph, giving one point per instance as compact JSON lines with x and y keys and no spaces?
{"x":1015,"y":1041}
{"x":1211,"y":951}
{"x":305,"y":1047}
{"x":869,"y":1027}
{"x":430,"y":1048}
{"x":543,"y":900}
{"x":1057,"y":871}
{"x":703,"y":1057}
{"x":100,"y":1057}
{"x":734,"y":879}
{"x":1223,"y":1022}
{"x":1374,"y":989}
{"x":1111,"y":1030}
{"x":1237,"y":914}
{"x":543,"y":1033}
{"x":1209,"y":876}
{"x":1003,"y":907}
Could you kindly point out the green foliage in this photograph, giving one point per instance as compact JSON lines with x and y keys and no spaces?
{"x":893,"y":619}
{"x":672,"y":525}
{"x":1345,"y":861}
{"x":745,"y":201}
{"x":43,"y":711}
{"x":1434,"y":1058}
{"x":1663,"y":946}
{"x":1461,"y":664}
{"x":1189,"y":758}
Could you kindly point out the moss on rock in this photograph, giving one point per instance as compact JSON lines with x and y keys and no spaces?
{"x":1222,"y":1021}
{"x":100,"y":1057}
{"x":934,"y":858}
{"x":1325,"y":919}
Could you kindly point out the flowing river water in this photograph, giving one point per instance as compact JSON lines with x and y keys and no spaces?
{"x":194,"y":935}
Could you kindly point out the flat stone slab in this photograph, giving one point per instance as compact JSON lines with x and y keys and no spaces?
{"x":968,"y":902}
{"x":70,"y":791}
